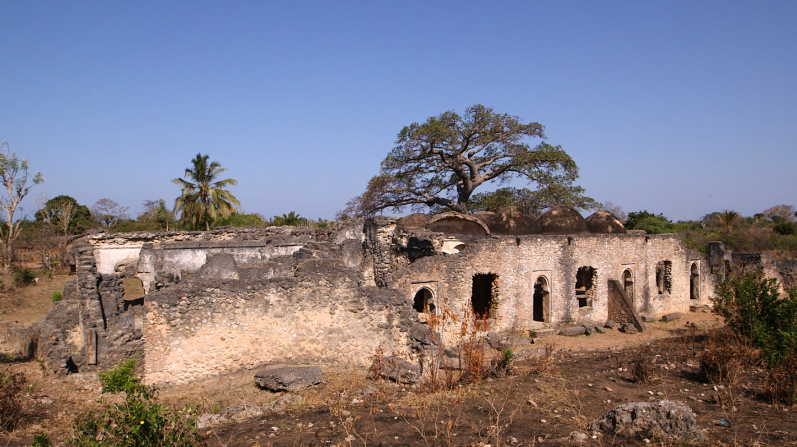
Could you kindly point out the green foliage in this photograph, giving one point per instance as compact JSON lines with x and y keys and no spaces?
{"x":24,"y":277}
{"x":57,"y":296}
{"x":65,"y":214}
{"x":139,"y":421}
{"x":291,"y":219}
{"x":755,"y":311}
{"x":41,"y":440}
{"x":635,"y":217}
{"x":507,"y":356}
{"x":533,"y":202}
{"x":120,"y":379}
{"x":655,"y":225}
{"x":204,"y":199}
{"x":442,"y":161}
{"x":786,"y":228}
{"x":238,"y":220}
{"x":11,"y":386}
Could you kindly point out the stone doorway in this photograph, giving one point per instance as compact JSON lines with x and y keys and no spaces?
{"x":540,"y":303}
{"x":694,"y":282}
{"x":423,"y":301}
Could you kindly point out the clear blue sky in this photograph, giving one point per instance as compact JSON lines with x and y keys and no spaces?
{"x":680,"y":108}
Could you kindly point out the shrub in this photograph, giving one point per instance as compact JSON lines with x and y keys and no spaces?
{"x":24,"y":277}
{"x":755,"y":311}
{"x":785,"y":228}
{"x":724,"y":358}
{"x":139,"y":421}
{"x":642,"y":367}
{"x":11,"y":386}
{"x":57,"y":296}
{"x":41,"y":440}
{"x":781,"y":384}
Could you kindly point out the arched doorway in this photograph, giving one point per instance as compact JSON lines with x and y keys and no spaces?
{"x":540,"y":300}
{"x":694,"y":282}
{"x":628,"y":284}
{"x":423,"y":301}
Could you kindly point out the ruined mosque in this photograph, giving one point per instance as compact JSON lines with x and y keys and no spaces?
{"x":192,"y":305}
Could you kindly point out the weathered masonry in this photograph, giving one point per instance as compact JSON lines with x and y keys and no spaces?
{"x":196,"y":304}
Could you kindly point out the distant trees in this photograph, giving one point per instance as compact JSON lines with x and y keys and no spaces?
{"x":291,"y":219}
{"x":441,"y":162}
{"x":781,"y":213}
{"x":108,"y":213}
{"x":14,"y":176}
{"x":66,"y":215}
{"x":728,"y":219}
{"x":652,"y":223}
{"x":204,"y":199}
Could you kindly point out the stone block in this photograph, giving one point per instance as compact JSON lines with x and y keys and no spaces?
{"x":647,"y":318}
{"x":542,"y":333}
{"x":288,"y":378}
{"x":672,"y":317}
{"x":628,"y":328}
{"x":573,"y":331}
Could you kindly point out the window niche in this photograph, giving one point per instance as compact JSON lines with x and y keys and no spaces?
{"x":424,"y":301}
{"x":484,"y":296}
{"x":694,"y":282}
{"x":664,"y":277}
{"x":585,"y":285}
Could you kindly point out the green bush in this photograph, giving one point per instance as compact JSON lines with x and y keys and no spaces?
{"x":139,"y":421}
{"x":24,"y":277}
{"x":785,"y":228}
{"x":57,"y":296}
{"x":754,"y":310}
{"x":41,"y":440}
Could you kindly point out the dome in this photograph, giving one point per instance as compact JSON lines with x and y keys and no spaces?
{"x":486,"y":217}
{"x":417,"y":220}
{"x":460,"y":225}
{"x":512,"y":220}
{"x":605,"y":222}
{"x":563,"y":219}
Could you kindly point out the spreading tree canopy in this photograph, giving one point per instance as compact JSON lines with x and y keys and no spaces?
{"x":204,"y":199}
{"x":441,"y":162}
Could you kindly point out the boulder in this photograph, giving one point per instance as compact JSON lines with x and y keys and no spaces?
{"x":288,"y":378}
{"x":662,"y":418}
{"x":628,"y":328}
{"x":396,"y":369}
{"x":611,"y":324}
{"x":672,"y":317}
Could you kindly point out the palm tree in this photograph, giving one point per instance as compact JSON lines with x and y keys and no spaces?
{"x":728,"y":219}
{"x":204,"y":200}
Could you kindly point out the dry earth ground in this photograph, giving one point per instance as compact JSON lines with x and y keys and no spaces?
{"x":542,"y":403}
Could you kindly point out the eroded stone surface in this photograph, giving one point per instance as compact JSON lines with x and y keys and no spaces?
{"x":662,"y":418}
{"x":288,"y":378}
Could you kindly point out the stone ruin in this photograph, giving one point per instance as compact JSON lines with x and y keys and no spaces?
{"x":193,"y":305}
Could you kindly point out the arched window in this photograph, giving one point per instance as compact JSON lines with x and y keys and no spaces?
{"x":628,"y":284}
{"x":423,"y":301}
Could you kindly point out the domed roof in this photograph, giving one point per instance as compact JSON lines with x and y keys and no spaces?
{"x":563,"y":219}
{"x":460,"y":225}
{"x":485,"y":216}
{"x":605,"y":222}
{"x":512,"y":220}
{"x":417,"y":220}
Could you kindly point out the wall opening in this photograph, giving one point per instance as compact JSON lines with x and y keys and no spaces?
{"x":134,"y":292}
{"x":540,"y":301}
{"x":694,"y":282}
{"x":423,"y":301}
{"x":483,"y":297}
{"x":585,"y":285}
{"x":664,"y":276}
{"x":628,"y":284}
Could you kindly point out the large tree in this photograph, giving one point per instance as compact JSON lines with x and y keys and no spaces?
{"x":65,"y":214}
{"x":442,"y":161}
{"x":108,"y":213}
{"x":534,"y":202}
{"x":204,"y":199}
{"x":14,"y":176}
